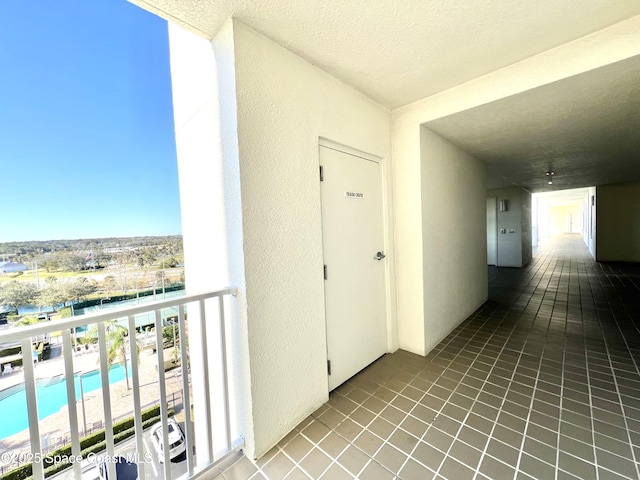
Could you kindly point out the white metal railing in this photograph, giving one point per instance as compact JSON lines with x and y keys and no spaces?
{"x":207,"y":318}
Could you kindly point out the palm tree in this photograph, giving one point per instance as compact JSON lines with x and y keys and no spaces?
{"x":31,"y":320}
{"x":28,"y":320}
{"x":117,"y":346}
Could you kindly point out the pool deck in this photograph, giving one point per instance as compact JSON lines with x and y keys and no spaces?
{"x":56,"y":426}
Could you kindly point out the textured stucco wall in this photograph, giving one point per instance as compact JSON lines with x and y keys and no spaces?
{"x":284,"y":106}
{"x":601,"y":48}
{"x":454,"y":232}
{"x":408,"y":230}
{"x":204,"y":101}
{"x":618,"y":227}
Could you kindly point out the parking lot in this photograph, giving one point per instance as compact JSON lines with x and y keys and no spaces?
{"x":153,"y":468}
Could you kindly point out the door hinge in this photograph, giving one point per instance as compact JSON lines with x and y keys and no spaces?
{"x":325,"y":272}
{"x":329,"y":367}
{"x":321,"y":173}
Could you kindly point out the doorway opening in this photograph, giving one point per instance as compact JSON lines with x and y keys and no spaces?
{"x":564,"y":212}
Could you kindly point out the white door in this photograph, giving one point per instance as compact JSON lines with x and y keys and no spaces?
{"x":492,"y":231}
{"x":352,"y":238}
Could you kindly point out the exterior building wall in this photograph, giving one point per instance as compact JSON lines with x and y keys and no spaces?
{"x":285,"y":105}
{"x":454,"y":236}
{"x":248,"y":120}
{"x":205,"y":119}
{"x":593,"y":51}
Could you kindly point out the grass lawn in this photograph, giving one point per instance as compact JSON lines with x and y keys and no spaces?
{"x":98,"y":275}
{"x":30,"y":275}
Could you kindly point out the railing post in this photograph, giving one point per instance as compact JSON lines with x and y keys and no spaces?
{"x":32,"y":408}
{"x":71,"y":400}
{"x":106,"y":397}
{"x":207,"y":390}
{"x":186,"y":404}
{"x":135,"y":384}
{"x":225,"y":375}
{"x":163,"y":394}
{"x":213,"y":402}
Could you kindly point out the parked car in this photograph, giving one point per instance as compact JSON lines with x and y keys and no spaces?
{"x":125,"y":470}
{"x":91,"y":473}
{"x":177,"y":444}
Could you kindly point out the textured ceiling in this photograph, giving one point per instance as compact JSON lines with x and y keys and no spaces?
{"x":586,"y":128}
{"x":563,"y":198}
{"x":400,"y":52}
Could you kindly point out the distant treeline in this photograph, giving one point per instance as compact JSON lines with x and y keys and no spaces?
{"x":26,"y":251}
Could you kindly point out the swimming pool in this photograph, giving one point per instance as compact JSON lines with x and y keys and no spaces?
{"x":51,"y":394}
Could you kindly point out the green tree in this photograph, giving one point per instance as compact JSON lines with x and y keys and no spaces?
{"x":171,"y":333}
{"x":109,"y":284}
{"x":57,"y":292}
{"x":80,"y":288}
{"x":28,"y":320}
{"x":18,"y":294}
{"x":73,"y":262}
{"x":50,"y":264}
{"x":171,"y":262}
{"x":145,"y":257}
{"x":122,"y":262}
{"x":117,"y":346}
{"x":171,"y":337}
{"x":102,"y":259}
{"x":53,"y":293}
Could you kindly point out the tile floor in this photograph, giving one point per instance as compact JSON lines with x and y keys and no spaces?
{"x":540,"y":382}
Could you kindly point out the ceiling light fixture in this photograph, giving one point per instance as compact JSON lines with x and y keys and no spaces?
{"x":550,"y":174}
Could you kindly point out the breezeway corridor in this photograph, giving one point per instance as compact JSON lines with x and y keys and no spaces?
{"x":541,"y":382}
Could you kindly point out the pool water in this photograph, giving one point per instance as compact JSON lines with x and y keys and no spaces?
{"x":52,"y":396}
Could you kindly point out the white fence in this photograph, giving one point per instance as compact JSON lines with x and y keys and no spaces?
{"x":207,"y":341}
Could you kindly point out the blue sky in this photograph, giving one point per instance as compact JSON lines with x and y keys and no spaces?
{"x":87,"y":146}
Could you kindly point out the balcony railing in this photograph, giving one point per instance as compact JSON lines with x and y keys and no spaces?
{"x":200,"y":384}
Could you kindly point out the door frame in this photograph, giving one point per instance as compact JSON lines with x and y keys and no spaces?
{"x":493,"y":200}
{"x":388,"y":237}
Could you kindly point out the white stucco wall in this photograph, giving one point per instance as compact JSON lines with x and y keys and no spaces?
{"x":606,"y":46}
{"x":408,"y":230}
{"x":272,"y":224}
{"x":251,"y":208}
{"x":454,"y":233}
{"x":285,"y":105}
{"x":203,"y":87}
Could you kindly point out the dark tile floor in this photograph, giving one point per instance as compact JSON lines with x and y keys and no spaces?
{"x":541,"y":382}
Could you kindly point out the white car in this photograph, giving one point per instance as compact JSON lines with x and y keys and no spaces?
{"x":177,"y":444}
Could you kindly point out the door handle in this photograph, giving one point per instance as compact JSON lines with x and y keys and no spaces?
{"x":379,"y":256}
